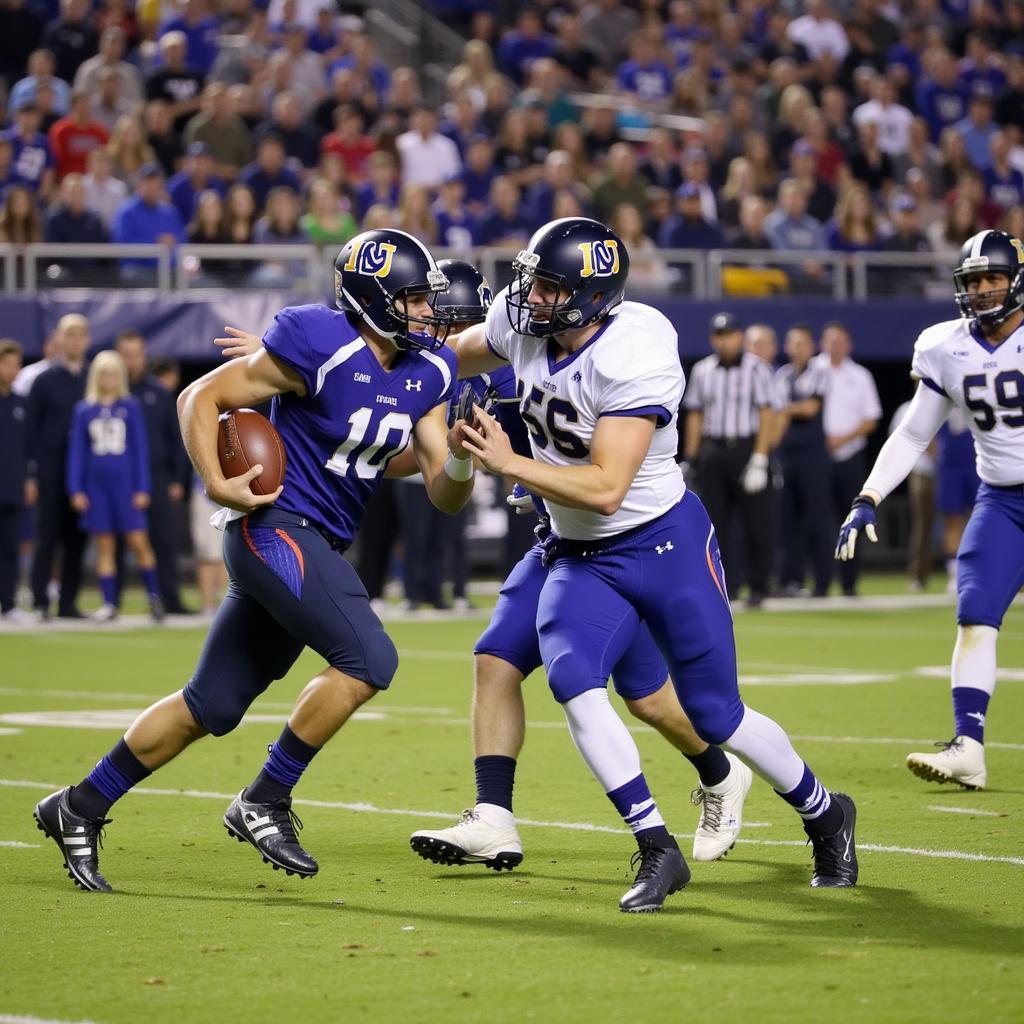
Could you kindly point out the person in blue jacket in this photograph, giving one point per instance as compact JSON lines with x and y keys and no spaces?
{"x":108,"y":478}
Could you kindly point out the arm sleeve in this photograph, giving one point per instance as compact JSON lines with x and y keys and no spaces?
{"x":927,"y":412}
{"x":78,"y":450}
{"x":286,"y":340}
{"x":138,"y":450}
{"x":497,"y":326}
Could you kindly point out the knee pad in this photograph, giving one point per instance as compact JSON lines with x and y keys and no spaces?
{"x":219,"y":714}
{"x":570,"y":674}
{"x":976,"y":606}
{"x":379,"y":665}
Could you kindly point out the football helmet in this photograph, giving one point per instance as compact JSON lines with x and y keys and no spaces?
{"x":376,"y":271}
{"x":468,"y":296}
{"x":991,"y":252}
{"x":585,"y":259}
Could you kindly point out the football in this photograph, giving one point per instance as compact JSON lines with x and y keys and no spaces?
{"x":245,"y":439}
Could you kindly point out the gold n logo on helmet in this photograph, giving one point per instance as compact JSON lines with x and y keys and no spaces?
{"x":371,"y":258}
{"x":600,"y":259}
{"x":1019,"y":246}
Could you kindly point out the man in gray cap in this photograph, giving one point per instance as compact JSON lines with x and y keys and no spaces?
{"x":729,"y":426}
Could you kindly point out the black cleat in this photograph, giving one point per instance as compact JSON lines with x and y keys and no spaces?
{"x":835,"y":856}
{"x":156,"y":608}
{"x":77,"y":838}
{"x":271,"y":829}
{"x":663,"y":870}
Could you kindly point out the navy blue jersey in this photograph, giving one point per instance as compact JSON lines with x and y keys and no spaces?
{"x":355,"y":416}
{"x":108,"y":447}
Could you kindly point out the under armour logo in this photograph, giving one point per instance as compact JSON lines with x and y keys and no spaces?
{"x":662,"y":548}
{"x":577,"y":377}
{"x":413,"y":385}
{"x":979,"y":715}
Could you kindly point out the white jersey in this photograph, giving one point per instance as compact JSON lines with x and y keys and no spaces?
{"x":629,"y":368}
{"x":987,"y":384}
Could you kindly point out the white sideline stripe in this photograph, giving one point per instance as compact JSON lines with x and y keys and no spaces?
{"x":19,"y":1018}
{"x":574,"y":826}
{"x":10,"y":732}
{"x":13,"y":844}
{"x":966,"y":810}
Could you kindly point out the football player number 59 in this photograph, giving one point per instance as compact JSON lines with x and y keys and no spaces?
{"x":366,"y":467}
{"x":1009,"y":388}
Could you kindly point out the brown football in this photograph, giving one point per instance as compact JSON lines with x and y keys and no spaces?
{"x":245,"y":439}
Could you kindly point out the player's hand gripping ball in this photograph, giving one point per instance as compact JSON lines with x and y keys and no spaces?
{"x":246,"y":439}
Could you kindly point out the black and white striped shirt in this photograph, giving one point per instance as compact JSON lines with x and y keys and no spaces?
{"x":730,"y":397}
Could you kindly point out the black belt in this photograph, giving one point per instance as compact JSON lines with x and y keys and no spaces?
{"x":562,"y":547}
{"x":1009,"y":488}
{"x":333,"y":539}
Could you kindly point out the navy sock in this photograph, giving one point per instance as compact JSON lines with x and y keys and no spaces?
{"x":712,"y":766}
{"x":634,"y":802}
{"x":821,"y":814}
{"x":112,"y":777}
{"x":288,"y":759}
{"x":149,"y":581}
{"x":108,"y":588}
{"x":495,"y":777}
{"x":969,"y":708}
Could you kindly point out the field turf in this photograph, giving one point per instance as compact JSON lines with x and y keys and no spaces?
{"x":200,"y":930}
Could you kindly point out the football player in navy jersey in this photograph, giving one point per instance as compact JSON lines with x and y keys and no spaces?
{"x":350,"y":388}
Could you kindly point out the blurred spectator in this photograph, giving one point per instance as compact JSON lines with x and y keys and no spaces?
{"x":457,"y":228}
{"x":905,"y":236}
{"x":795,"y":103}
{"x":777,"y":43}
{"x":346,"y":91}
{"x":819,"y":32}
{"x":697,"y":171}
{"x":103,"y":192}
{"x":870,"y":164}
{"x":940,"y":97}
{"x":108,"y":105}
{"x":645,"y":78}
{"x":196,"y":176}
{"x":503,"y":222}
{"x":427,"y":156}
{"x":207,"y":224}
{"x":558,"y":175}
{"x":978,"y":130}
{"x":953,"y":154}
{"x":621,"y":183}
{"x":245,"y":104}
{"x":739,"y":184}
{"x":325,"y":37}
{"x":41,"y":68}
{"x":524,"y":44}
{"x":129,"y":149}
{"x":147,"y":217}
{"x":362,"y":58}
{"x":327,"y":222}
{"x":307,"y":69}
{"x":175,"y":81}
{"x":71,"y":221}
{"x":566,"y":204}
{"x":970,"y":185}
{"x":762,"y":163}
{"x":1012,"y":221}
{"x":71,"y":38}
{"x":7,"y":176}
{"x":547,"y":91}
{"x":111,"y":58}
{"x":279,"y":225}
{"x":835,"y":110}
{"x":378,"y":216}
{"x":789,"y":226}
{"x":349,"y":141}
{"x":601,"y":131}
{"x":161,"y":136}
{"x":753,"y":213}
{"x":462,"y":122}
{"x":200,"y":30}
{"x":688,"y":228}
{"x":1010,"y":99}
{"x":19,"y":218}
{"x":239,"y":214}
{"x":980,"y":68}
{"x":22,"y":29}
{"x":803,"y":168}
{"x":15,"y":494}
{"x":301,"y":141}
{"x":32,"y":160}
{"x":72,"y":138}
{"x":660,"y":165}
{"x":893,"y":119}
{"x":855,"y":226}
{"x":50,"y":404}
{"x":497,"y":103}
{"x":382,"y":184}
{"x":948,"y":236}
{"x":831,"y":159}
{"x":268,"y":170}
{"x":647,"y":270}
{"x":475,"y":71}
{"x":1004,"y":184}
{"x":223,"y":132}
{"x":415,"y":215}
{"x":606,"y":25}
{"x":242,"y":55}
{"x":922,"y":154}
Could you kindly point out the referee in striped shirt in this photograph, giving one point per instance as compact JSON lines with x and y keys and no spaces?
{"x":729,"y":427}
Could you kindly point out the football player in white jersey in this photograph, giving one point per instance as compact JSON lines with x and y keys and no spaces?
{"x":975,"y":364}
{"x":600,"y":386}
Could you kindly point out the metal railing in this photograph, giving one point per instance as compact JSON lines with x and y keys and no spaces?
{"x":308,"y":269}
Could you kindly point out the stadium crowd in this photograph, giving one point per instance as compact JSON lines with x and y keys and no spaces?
{"x":866,"y":126}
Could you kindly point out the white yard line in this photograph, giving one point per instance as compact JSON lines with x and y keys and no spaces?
{"x":13,"y":844}
{"x":974,"y":812}
{"x":20,"y":1018}
{"x":575,"y":826}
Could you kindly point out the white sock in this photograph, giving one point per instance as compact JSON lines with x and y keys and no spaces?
{"x":602,"y":739}
{"x":766,"y":748}
{"x":974,"y":658}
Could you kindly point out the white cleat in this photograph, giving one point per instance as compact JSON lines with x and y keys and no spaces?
{"x":721,"y":816}
{"x":962,"y":760}
{"x":105,"y":613}
{"x":483,"y":835}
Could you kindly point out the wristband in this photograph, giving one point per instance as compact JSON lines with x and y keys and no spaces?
{"x":864,"y":499}
{"x":460,"y":470}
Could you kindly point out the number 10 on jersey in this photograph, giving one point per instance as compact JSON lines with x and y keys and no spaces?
{"x":367,"y":455}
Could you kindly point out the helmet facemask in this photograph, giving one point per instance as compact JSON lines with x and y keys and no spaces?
{"x":542,"y":320}
{"x":1013,"y":299}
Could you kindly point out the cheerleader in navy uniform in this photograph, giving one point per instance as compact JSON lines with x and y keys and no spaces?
{"x":108,"y":478}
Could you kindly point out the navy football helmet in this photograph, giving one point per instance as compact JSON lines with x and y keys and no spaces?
{"x":375,"y":271}
{"x":990,"y":252}
{"x":585,"y":259}
{"x":468,"y":296}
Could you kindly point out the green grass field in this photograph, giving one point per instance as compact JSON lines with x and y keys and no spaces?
{"x":200,"y":930}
